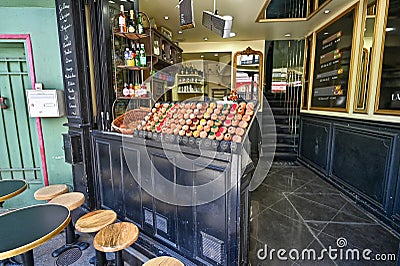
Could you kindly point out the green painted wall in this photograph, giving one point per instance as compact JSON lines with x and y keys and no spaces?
{"x":41,"y":24}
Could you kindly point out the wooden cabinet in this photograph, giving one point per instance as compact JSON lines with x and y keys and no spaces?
{"x":161,"y":51}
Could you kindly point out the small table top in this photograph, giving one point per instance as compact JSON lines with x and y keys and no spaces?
{"x":95,"y":221}
{"x":49,"y":192}
{"x":116,"y":237}
{"x":11,"y":188}
{"x":26,"y":228}
{"x":71,"y":200}
{"x":164,"y":261}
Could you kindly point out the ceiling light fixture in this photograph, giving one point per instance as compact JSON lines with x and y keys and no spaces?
{"x":327,"y":11}
{"x":388,"y":29}
{"x":111,"y":2}
{"x":180,"y":32}
{"x":202,"y":56}
{"x":326,"y":33}
{"x":215,"y":54}
{"x":205,"y":38}
{"x":166,"y":17}
{"x":288,"y":35}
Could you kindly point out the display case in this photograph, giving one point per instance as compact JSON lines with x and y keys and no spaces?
{"x":183,"y":182}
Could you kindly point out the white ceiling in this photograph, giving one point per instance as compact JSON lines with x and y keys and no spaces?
{"x":244,"y":14}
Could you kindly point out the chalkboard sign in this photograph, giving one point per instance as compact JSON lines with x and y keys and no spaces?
{"x":186,"y":14}
{"x":332,"y":63}
{"x":389,"y":90}
{"x":64,"y":11}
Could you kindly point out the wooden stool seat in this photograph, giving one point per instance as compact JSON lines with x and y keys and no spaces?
{"x":163,"y":261}
{"x":71,"y":200}
{"x":116,"y":237}
{"x":95,"y":221}
{"x":49,"y":192}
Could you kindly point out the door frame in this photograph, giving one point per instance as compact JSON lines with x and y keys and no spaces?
{"x":26,"y":38}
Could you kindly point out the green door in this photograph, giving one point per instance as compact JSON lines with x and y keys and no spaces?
{"x":19,"y":149}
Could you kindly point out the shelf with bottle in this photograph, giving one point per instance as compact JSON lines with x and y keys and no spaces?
{"x":131,"y":27}
{"x":190,"y":89}
{"x":133,"y":91}
{"x":190,"y":71}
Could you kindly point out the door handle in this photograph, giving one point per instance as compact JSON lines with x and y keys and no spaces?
{"x":3,"y":104}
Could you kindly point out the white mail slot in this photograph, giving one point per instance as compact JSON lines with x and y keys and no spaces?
{"x":45,"y":103}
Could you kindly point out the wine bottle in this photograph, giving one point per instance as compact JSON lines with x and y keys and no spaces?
{"x":142,"y":55}
{"x":131,"y":22}
{"x":137,"y":57}
{"x":140,"y":24}
{"x":122,"y":20}
{"x":126,"y":56}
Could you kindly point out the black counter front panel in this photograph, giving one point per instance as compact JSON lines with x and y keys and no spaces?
{"x":205,"y":234}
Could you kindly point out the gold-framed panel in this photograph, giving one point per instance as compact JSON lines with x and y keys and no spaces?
{"x":382,"y":50}
{"x":355,"y":8}
{"x":250,"y":51}
{"x":307,"y":58}
{"x":362,"y":82}
{"x":311,"y":74}
{"x":261,"y":18}
{"x":361,"y":78}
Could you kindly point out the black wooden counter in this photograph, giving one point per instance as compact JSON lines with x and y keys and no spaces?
{"x":127,"y":178}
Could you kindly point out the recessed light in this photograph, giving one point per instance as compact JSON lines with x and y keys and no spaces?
{"x":388,"y":29}
{"x":202,"y":56}
{"x":215,"y":54}
{"x":327,"y":11}
{"x":288,"y":35}
{"x":180,"y":32}
{"x":326,"y":33}
{"x":205,"y":38}
{"x":232,"y":34}
{"x":166,"y":17}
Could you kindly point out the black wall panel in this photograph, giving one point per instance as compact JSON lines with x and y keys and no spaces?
{"x":314,"y":143}
{"x":358,"y":156}
{"x":362,"y":159}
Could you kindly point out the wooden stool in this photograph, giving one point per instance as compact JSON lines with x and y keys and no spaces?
{"x":49,"y":192}
{"x":164,"y":261}
{"x":71,"y":200}
{"x":93,"y":222}
{"x":115,"y":238}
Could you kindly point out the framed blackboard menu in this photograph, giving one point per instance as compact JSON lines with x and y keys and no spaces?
{"x":333,"y":50}
{"x":388,"y":96}
{"x":65,"y":22}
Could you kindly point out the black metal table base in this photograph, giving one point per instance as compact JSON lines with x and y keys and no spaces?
{"x":71,"y":241}
{"x":27,"y":260}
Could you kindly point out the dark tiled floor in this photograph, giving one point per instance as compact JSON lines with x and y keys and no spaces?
{"x":294,"y":209}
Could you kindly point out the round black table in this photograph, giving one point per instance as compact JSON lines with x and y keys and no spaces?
{"x":11,"y":188}
{"x":24,"y":229}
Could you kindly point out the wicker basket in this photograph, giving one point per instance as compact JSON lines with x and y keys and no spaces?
{"x":127,"y":122}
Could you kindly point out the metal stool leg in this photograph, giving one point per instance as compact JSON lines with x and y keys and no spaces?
{"x":100,"y":258}
{"x":71,"y":241}
{"x":118,"y":258}
{"x":27,"y":258}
